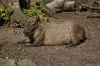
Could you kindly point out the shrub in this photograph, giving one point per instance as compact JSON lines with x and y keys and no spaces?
{"x":5,"y":14}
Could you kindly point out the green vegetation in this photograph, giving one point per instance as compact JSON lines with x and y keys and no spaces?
{"x":32,"y":12}
{"x":46,"y":19}
{"x":2,"y":52}
{"x":18,"y":57}
{"x":5,"y":14}
{"x":99,"y":27}
{"x":37,"y":11}
{"x":94,"y":3}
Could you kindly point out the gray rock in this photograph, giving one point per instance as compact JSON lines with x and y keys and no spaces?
{"x":12,"y":62}
{"x":7,"y":62}
{"x":26,"y":63}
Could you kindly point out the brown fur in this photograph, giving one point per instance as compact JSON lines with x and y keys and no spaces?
{"x":41,"y":33}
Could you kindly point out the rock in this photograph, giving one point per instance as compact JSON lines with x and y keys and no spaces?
{"x":26,"y":63}
{"x":7,"y":62}
{"x":13,"y":62}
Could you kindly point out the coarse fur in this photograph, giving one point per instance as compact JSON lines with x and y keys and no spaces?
{"x":43,"y":33}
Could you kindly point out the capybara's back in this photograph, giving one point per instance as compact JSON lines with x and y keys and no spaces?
{"x":42,"y":33}
{"x":64,"y":33}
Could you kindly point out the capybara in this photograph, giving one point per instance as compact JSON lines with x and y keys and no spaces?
{"x":44,"y":33}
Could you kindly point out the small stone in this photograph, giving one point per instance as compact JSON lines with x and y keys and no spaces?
{"x":7,"y":57}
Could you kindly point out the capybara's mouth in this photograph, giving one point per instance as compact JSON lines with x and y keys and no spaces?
{"x":26,"y":33}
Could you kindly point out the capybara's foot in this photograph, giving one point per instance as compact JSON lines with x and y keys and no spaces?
{"x":31,"y":45}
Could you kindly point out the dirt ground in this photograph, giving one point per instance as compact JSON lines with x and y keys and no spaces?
{"x":85,"y":54}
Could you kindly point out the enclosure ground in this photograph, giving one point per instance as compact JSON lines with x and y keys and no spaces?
{"x":85,"y":54}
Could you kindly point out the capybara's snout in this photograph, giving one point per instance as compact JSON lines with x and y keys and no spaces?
{"x":26,"y":32}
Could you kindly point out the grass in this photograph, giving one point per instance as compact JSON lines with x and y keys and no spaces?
{"x":2,"y":52}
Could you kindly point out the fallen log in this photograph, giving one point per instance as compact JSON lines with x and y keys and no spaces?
{"x":92,"y":16}
{"x":56,"y":5}
{"x":84,"y":7}
{"x":94,"y":8}
{"x":62,"y":5}
{"x":69,"y":6}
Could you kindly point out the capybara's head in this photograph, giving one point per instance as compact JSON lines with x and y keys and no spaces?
{"x":31,"y":25}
